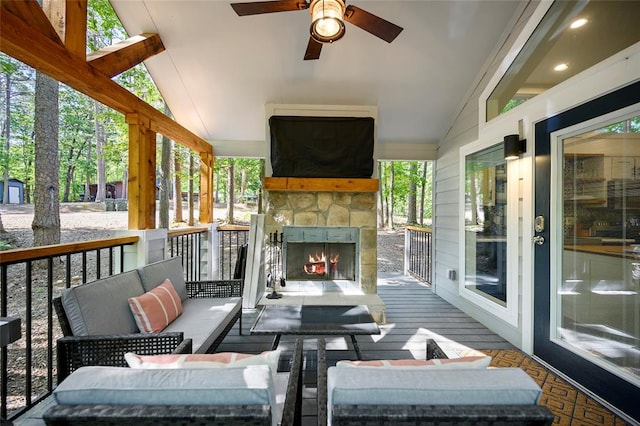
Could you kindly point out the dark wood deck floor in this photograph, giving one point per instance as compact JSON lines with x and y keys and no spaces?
{"x":414,"y":313}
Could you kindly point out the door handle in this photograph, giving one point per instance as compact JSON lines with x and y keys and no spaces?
{"x":538,"y":240}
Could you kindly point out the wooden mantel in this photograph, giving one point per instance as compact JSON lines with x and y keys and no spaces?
{"x":320,"y":184}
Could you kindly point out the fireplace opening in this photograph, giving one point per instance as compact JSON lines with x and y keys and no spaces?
{"x":320,"y":261}
{"x":321,"y":254}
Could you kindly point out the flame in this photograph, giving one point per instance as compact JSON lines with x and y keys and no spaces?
{"x":317,"y":258}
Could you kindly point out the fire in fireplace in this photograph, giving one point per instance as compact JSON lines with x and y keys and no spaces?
{"x":320,"y":261}
{"x":320,"y":253}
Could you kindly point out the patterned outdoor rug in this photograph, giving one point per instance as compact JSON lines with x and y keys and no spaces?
{"x":570,"y":406}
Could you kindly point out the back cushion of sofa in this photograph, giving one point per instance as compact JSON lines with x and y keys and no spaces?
{"x":102,"y":307}
{"x":154,"y":274}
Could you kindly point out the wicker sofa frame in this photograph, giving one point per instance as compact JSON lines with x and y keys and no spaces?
{"x":228,"y":415}
{"x":74,"y":352}
{"x":413,"y":415}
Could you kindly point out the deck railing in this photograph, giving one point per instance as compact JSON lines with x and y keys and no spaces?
{"x":29,"y":280}
{"x":187,"y":243}
{"x":231,"y":237}
{"x":417,"y":252}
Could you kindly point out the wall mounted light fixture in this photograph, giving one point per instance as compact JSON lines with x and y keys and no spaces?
{"x":513,"y":147}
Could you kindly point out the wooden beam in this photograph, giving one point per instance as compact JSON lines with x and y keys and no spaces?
{"x":30,"y":12}
{"x":321,"y":184}
{"x":69,"y":19}
{"x":142,"y":172}
{"x":25,"y":43}
{"x":118,"y":58}
{"x":206,"y":187}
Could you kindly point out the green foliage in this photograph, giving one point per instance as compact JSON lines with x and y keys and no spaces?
{"x":403,"y":175}
{"x":512,"y":104}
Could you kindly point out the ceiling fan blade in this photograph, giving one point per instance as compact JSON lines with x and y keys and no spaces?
{"x":371,"y":23}
{"x":313,"y":50}
{"x":259,"y":7}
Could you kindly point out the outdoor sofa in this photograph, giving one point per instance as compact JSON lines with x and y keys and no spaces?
{"x":242,"y":396}
{"x":99,"y":326}
{"x":367,"y":396}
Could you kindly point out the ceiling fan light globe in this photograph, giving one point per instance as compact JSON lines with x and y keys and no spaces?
{"x":327,"y":30}
{"x":327,"y":23}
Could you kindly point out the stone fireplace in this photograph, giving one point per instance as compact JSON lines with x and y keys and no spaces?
{"x":321,"y":199}
{"x":325,"y":222}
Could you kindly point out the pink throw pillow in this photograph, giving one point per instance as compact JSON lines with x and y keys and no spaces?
{"x":438,"y":363}
{"x":156,"y":309}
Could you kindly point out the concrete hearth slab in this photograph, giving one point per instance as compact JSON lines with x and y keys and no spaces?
{"x":373,"y":301}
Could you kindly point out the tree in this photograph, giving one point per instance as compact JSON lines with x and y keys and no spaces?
{"x":192,"y":172}
{"x":411,"y":197}
{"x":177,"y":195}
{"x":100,"y":144}
{"x":46,"y":218}
{"x":381,"y":198}
{"x":7,"y":133}
{"x":230,"y":190}
{"x":165,"y":181}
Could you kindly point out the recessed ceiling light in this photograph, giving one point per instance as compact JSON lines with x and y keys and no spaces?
{"x":578,"y":23}
{"x":561,"y":67}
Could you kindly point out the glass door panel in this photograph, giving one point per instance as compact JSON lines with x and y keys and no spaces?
{"x":598,"y":299}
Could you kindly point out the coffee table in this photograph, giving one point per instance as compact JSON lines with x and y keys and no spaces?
{"x":315,"y":320}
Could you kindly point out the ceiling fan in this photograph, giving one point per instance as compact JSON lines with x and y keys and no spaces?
{"x":327,"y":20}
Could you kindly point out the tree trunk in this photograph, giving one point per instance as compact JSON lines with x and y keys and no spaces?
{"x":411,"y":197}
{"x":2,"y":230}
{"x":216,"y":195}
{"x":46,"y":218}
{"x":260,"y":188}
{"x":87,"y":182}
{"x":423,"y":192}
{"x":230,"y":189}
{"x":177,"y":195}
{"x":70,"y":171}
{"x":381,"y":220}
{"x":243,"y":183}
{"x":100,"y":143}
{"x":7,"y":138}
{"x":391,"y":197}
{"x":192,"y":172}
{"x":165,"y":181}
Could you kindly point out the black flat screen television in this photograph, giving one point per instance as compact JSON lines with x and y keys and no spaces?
{"x":322,"y":147}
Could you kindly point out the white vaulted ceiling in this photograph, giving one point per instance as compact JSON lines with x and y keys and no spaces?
{"x":219,"y":70}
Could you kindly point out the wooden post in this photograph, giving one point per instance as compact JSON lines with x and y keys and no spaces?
{"x":206,"y":187}
{"x":142,"y":172}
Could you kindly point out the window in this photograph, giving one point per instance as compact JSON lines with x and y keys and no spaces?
{"x":571,"y":37}
{"x":486,"y":217}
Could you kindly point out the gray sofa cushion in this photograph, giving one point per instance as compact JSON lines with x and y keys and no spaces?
{"x":102,"y":307}
{"x":203,"y":320}
{"x":248,"y":385}
{"x":494,"y":386}
{"x":153,"y":274}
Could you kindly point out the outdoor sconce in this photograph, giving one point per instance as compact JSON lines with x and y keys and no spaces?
{"x":513,"y":147}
